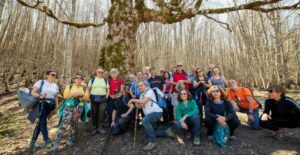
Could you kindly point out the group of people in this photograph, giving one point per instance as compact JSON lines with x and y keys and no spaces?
{"x":191,"y":99}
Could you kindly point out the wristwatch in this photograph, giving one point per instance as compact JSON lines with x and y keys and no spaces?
{"x":250,"y":113}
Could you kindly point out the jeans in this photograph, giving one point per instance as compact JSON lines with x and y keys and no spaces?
{"x":149,"y":123}
{"x":255,"y":124}
{"x":193,"y":124}
{"x":210,"y":124}
{"x":41,"y":125}
{"x":121,"y":124}
{"x":98,"y":112}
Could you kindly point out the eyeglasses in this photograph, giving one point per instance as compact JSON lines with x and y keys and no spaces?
{"x":100,"y":72}
{"x":270,"y":91}
{"x":181,"y":94}
{"x":215,"y":91}
{"x":78,"y":78}
{"x":140,"y":85}
{"x":53,"y":74}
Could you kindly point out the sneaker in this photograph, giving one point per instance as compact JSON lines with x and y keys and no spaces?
{"x":94,"y":132}
{"x":278,"y":135}
{"x":233,"y":138}
{"x":196,"y":141}
{"x":149,"y":146}
{"x":188,"y":135}
{"x":171,"y":133}
{"x":101,"y":131}
{"x":48,"y":145}
{"x":210,"y":138}
{"x":55,"y":148}
{"x":33,"y":145}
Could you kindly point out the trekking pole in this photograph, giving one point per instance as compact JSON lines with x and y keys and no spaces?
{"x":135,"y":127}
{"x":106,"y":142}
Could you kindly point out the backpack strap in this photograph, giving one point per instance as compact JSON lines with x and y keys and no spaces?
{"x":41,"y":87}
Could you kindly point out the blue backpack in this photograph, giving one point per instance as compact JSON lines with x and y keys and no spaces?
{"x":221,"y":135}
{"x":160,"y":101}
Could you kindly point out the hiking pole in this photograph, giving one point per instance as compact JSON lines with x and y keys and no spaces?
{"x":106,"y":143}
{"x":135,"y":127}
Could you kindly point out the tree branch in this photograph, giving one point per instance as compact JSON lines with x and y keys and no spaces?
{"x":173,"y":17}
{"x":44,"y":9}
{"x":222,"y":24}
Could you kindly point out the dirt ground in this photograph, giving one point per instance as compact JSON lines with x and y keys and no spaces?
{"x":16,"y":131}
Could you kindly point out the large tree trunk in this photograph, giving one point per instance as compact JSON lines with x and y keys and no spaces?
{"x":120,"y":49}
{"x":70,"y":49}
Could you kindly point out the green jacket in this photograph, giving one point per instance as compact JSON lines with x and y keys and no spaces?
{"x":190,"y":109}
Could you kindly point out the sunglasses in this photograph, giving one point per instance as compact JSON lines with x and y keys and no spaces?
{"x":78,"y":78}
{"x":270,"y":91}
{"x":215,"y":91}
{"x":53,"y":74}
{"x":181,"y":94}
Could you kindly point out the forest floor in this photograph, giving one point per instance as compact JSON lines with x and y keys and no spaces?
{"x":16,"y":131}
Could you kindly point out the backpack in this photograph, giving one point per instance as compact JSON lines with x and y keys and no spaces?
{"x":26,"y":100}
{"x":255,"y":98}
{"x":161,"y":101}
{"x":221,"y":135}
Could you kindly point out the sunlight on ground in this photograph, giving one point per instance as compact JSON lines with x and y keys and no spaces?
{"x":284,"y":152}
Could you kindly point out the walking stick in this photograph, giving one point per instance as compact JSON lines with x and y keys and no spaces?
{"x":135,"y":127}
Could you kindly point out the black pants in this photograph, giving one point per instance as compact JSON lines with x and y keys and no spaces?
{"x":170,"y":110}
{"x":210,"y":124}
{"x":121,"y":125}
{"x":98,"y":113}
{"x":274,"y":124}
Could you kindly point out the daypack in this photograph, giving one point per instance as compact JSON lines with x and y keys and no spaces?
{"x":27,"y":101}
{"x":221,"y":135}
{"x":255,"y":98}
{"x":159,"y":95}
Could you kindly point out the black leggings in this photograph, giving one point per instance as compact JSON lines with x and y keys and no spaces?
{"x":210,"y":124}
{"x":274,"y":124}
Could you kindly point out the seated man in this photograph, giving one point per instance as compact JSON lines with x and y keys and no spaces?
{"x":243,"y":101}
{"x":280,"y":112}
{"x":153,"y":114}
{"x":121,"y":115}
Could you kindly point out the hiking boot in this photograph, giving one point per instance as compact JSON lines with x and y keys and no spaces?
{"x":196,"y":141}
{"x":171,"y":133}
{"x":188,"y":135}
{"x":69,"y":142}
{"x":278,"y":135}
{"x":33,"y":145}
{"x":149,"y":146}
{"x":48,"y":145}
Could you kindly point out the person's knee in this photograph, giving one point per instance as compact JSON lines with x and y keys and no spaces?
{"x":145,"y":120}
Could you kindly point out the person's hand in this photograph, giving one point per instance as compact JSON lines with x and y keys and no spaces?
{"x":138,"y":105}
{"x":123,"y":115}
{"x":202,"y":82}
{"x":265,"y":117}
{"x":221,"y":119}
{"x":183,"y":125}
{"x":180,"y":81}
{"x":43,"y":96}
{"x":112,"y":124}
{"x":250,"y":118}
{"x":223,"y":124}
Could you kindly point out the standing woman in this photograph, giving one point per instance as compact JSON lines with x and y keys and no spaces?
{"x":46,"y":91}
{"x":217,"y":79}
{"x":201,"y":83}
{"x":74,"y":108}
{"x":168,"y":92}
{"x":99,"y":91}
{"x":219,"y":110}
